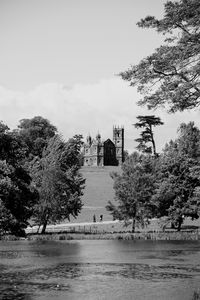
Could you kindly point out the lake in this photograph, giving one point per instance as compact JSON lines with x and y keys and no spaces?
{"x":99,"y":269}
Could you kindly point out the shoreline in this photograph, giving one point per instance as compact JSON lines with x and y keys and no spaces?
{"x":110,"y":230}
{"x":156,"y":236}
{"x":192,"y":235}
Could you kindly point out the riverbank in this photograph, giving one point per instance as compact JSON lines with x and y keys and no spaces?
{"x":116,"y":230}
{"x":171,"y":235}
{"x":111,"y":230}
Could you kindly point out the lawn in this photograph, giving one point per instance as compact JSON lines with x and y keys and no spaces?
{"x":98,"y":191}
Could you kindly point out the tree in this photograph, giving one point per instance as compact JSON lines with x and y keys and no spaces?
{"x":126,"y":155}
{"x":177,"y":188}
{"x":189,"y":140}
{"x":177,"y":192}
{"x":147,"y":136}
{"x":36,"y":132}
{"x":74,"y":155}
{"x":171,"y":75}
{"x":57,"y":178}
{"x":12,"y":147}
{"x":17,"y":196}
{"x":133,"y":190}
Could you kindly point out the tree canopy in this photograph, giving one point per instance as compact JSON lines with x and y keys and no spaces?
{"x":35,"y":133}
{"x":17,"y":195}
{"x":170,"y":76}
{"x":39,"y":176}
{"x":133,"y":190}
{"x":177,"y":188}
{"x":166,"y":186}
{"x":147,"y":135}
{"x":58,"y":181}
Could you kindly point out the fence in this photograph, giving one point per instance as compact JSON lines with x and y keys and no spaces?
{"x":93,"y":228}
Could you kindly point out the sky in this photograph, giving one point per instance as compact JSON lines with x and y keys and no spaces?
{"x":60,"y":59}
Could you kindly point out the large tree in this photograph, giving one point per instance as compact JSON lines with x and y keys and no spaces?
{"x":171,"y":75}
{"x":12,"y":148}
{"x":147,"y":135}
{"x":133,"y":190}
{"x":57,"y":178}
{"x":177,"y":188}
{"x":17,"y":196}
{"x":35,"y":133}
{"x":167,"y":186}
{"x":74,"y":154}
{"x":188,"y":141}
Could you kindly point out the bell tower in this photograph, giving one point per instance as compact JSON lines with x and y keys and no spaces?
{"x":118,"y":139}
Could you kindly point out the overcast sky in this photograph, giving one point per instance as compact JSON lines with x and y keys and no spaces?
{"x":59,"y":59}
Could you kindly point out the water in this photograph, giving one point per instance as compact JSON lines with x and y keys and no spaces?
{"x":99,"y":269}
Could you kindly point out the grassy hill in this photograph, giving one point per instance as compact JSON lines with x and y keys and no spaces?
{"x":98,"y":191}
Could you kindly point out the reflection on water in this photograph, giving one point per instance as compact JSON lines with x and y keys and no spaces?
{"x":99,"y":270}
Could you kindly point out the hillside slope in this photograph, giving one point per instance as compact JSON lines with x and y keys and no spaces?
{"x":98,"y":191}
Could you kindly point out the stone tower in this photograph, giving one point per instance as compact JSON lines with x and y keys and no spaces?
{"x":118,"y":139}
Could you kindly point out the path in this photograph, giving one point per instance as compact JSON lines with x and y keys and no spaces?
{"x":75,"y":226}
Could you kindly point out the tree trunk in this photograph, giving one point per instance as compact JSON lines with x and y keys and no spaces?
{"x":44,"y":227}
{"x":172,"y":225}
{"x":38,"y":230}
{"x":180,"y":221}
{"x":133,"y":225}
{"x":153,"y":142}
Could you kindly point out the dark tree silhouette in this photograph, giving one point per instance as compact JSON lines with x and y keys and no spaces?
{"x":147,"y":136}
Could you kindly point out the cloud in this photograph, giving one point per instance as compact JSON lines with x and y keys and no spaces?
{"x":88,"y":108}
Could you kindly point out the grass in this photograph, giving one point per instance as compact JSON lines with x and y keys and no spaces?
{"x":114,"y":230}
{"x":98,"y":191}
{"x":61,"y":236}
{"x":9,"y":237}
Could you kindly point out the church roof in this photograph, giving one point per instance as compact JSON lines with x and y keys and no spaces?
{"x":108,"y":141}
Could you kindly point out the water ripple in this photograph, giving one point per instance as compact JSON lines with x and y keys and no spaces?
{"x":23,"y":284}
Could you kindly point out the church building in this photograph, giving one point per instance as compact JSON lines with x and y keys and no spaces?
{"x":105,"y":153}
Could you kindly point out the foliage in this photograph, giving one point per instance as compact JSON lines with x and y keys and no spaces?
{"x":57,"y":178}
{"x":147,"y":136}
{"x":17,"y":197}
{"x":53,"y":191}
{"x":188,"y":142}
{"x":166,"y":186}
{"x":133,"y":190}
{"x":35,"y":133}
{"x":126,"y":155}
{"x":177,"y":192}
{"x":170,"y":76}
{"x":74,"y":155}
{"x":177,"y":188}
{"x":12,"y":147}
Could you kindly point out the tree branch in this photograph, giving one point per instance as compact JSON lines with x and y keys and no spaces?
{"x":183,"y":28}
{"x":164,"y":74}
